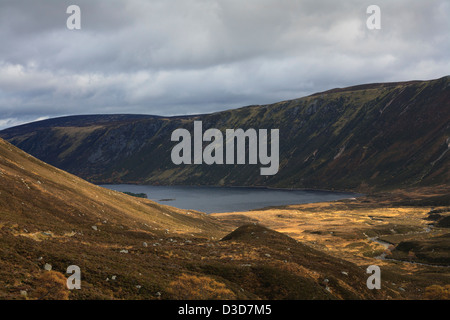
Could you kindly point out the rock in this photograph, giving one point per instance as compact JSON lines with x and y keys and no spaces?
{"x":24,"y":293}
{"x":145,"y":244}
{"x":113,"y":277}
{"x":95,"y":228}
{"x":444,"y":222}
{"x":48,"y":267}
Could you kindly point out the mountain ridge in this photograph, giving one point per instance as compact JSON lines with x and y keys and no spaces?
{"x":360,"y":138}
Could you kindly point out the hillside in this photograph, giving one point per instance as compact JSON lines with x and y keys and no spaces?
{"x":133,"y":248}
{"x":40,"y":197}
{"x":376,"y":136}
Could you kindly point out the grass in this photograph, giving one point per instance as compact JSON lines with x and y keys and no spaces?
{"x":343,"y":228}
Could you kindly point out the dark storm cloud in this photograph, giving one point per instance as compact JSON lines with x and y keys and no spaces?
{"x":195,"y":56}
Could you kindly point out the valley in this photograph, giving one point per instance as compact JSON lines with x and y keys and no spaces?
{"x":133,"y":248}
{"x":388,"y":141}
{"x":309,"y":251}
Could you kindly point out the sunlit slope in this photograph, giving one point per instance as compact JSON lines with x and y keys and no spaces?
{"x":39,"y":197}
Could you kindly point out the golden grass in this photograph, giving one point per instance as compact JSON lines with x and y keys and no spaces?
{"x":339,"y":228}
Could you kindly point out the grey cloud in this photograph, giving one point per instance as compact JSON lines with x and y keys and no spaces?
{"x":195,"y":56}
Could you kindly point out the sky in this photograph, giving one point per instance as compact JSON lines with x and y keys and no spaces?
{"x":178,"y":57}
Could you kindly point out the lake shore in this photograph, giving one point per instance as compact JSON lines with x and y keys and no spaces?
{"x":224,"y":199}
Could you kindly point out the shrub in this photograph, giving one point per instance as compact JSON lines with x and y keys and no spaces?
{"x":51,"y":285}
{"x":436,"y":292}
{"x":191,"y":287}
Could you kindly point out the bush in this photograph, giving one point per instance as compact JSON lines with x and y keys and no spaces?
{"x":436,"y":292}
{"x":137,"y":195}
{"x":51,"y":285}
{"x":191,"y":287}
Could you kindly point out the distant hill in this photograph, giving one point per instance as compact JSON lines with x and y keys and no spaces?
{"x":367,"y":137}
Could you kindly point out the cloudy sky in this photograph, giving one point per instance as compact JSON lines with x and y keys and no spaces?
{"x":195,"y":56}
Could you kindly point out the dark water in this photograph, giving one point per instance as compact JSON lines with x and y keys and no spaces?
{"x":227,"y":199}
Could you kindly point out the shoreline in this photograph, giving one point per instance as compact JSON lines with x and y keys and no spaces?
{"x":235,"y":187}
{"x":297,"y":199}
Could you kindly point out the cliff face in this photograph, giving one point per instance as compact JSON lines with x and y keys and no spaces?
{"x":370,"y":136}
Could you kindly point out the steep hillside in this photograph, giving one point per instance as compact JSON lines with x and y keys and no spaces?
{"x":376,"y":136}
{"x":39,"y":197}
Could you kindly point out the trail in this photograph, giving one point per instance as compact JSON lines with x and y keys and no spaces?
{"x":386,"y":246}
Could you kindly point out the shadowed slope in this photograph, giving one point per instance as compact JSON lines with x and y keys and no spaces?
{"x":375,"y":136}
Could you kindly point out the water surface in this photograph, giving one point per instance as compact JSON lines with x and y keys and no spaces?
{"x":227,"y":199}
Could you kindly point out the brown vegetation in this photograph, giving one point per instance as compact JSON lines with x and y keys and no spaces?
{"x":436,"y":292}
{"x":191,"y":287}
{"x":51,"y":285}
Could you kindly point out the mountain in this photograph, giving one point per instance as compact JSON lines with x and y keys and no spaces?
{"x":361,"y":138}
{"x":133,"y":248}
